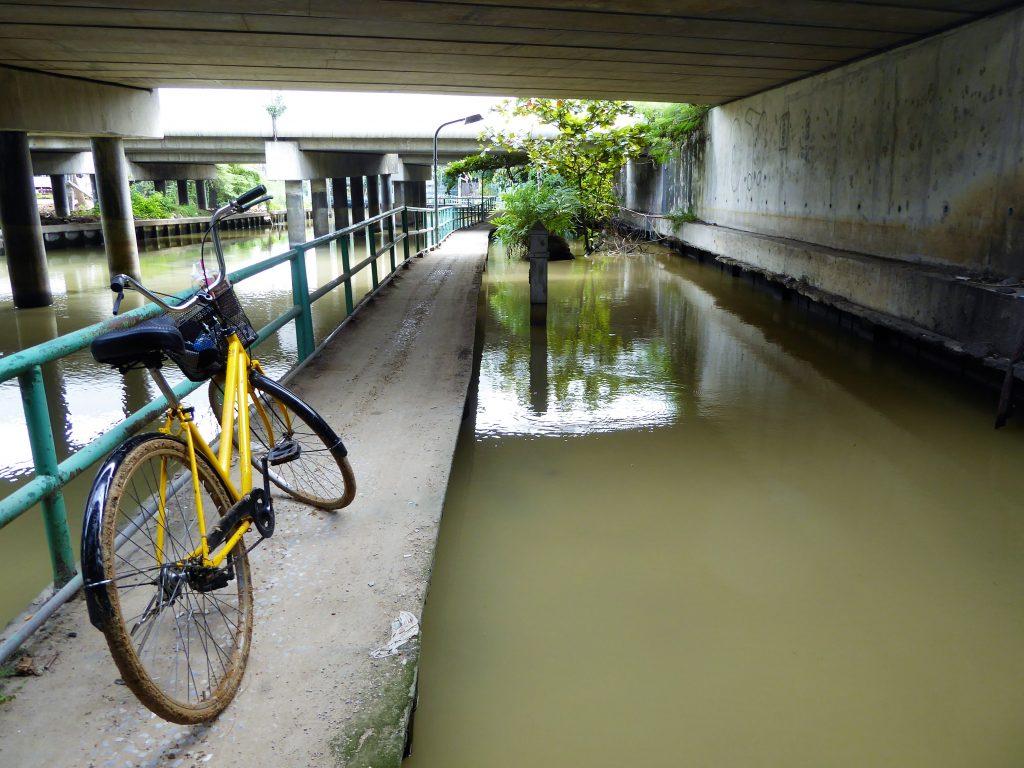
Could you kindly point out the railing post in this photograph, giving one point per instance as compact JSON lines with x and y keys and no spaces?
{"x":345,"y":268}
{"x":391,"y":239}
{"x":300,"y":298}
{"x":405,"y":231}
{"x":44,"y":456}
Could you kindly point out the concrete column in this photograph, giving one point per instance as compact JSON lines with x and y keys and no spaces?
{"x":212,"y":195}
{"x":201,"y":195}
{"x":421,"y":194}
{"x":60,"y":194}
{"x":387,"y":197}
{"x":321,"y":211}
{"x":19,"y":219}
{"x":339,"y":190}
{"x":116,"y":207}
{"x":296,"y":212}
{"x":399,"y":194}
{"x":160,"y":186}
{"x":182,"y":191}
{"x":372,"y":196}
{"x":358,"y":199}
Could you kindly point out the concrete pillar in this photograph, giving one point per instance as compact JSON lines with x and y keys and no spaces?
{"x":358,"y":199}
{"x":160,"y":186}
{"x":296,"y":212}
{"x":339,"y":190}
{"x":201,"y":195}
{"x":212,"y":195}
{"x":19,"y":219}
{"x":182,"y":191}
{"x":116,"y":207}
{"x":398,"y":194}
{"x":60,"y":194}
{"x":387,"y":197}
{"x":321,"y":211}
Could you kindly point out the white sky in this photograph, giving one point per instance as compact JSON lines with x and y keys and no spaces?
{"x":237,"y":112}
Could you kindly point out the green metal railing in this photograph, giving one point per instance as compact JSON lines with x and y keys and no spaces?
{"x":415,"y":237}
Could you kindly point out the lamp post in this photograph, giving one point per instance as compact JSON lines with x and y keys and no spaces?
{"x":464,"y":121}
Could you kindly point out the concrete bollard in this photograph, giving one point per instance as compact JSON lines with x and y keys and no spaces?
{"x":538,"y":254}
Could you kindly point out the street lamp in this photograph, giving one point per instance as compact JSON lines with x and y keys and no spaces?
{"x":464,"y":121}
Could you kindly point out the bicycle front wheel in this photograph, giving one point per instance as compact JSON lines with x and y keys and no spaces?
{"x":317,"y":470}
{"x":179,"y":632}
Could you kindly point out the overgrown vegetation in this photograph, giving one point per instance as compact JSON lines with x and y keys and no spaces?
{"x":551,"y":203}
{"x":511,"y":168}
{"x":678,"y":217}
{"x":591,"y":141}
{"x":668,"y":127}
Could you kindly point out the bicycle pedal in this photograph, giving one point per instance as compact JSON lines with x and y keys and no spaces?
{"x":283,"y":452}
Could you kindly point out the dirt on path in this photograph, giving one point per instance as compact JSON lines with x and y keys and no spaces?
{"x":327,"y":586}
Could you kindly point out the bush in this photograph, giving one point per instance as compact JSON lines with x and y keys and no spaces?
{"x":155,"y":206}
{"x":550,"y":203}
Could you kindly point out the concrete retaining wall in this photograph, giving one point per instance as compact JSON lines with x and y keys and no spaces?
{"x":914,"y":157}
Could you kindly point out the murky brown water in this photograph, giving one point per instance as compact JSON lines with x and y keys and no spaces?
{"x":694,"y":526}
{"x":86,"y":399}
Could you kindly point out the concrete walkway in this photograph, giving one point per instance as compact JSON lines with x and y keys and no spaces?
{"x":327,"y":585}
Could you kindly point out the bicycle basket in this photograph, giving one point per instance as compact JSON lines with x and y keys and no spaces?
{"x":206,"y":349}
{"x":205,"y":328}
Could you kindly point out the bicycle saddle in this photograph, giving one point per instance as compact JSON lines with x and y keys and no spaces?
{"x":142,"y":344}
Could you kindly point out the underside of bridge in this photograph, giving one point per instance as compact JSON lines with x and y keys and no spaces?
{"x":701,"y":51}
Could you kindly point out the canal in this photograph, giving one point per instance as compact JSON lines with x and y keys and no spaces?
{"x":86,"y":399}
{"x":692,"y":524}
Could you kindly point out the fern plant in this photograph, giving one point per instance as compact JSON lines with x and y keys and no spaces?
{"x":549,"y":203}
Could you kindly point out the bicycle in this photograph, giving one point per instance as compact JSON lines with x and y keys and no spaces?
{"x":172,"y":593}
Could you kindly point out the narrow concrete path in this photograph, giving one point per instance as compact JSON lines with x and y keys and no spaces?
{"x":327,"y":585}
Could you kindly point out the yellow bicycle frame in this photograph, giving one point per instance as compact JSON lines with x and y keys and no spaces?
{"x":179,"y":421}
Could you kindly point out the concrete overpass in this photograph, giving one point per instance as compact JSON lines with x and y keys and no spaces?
{"x":658,"y":50}
{"x":886,"y":129}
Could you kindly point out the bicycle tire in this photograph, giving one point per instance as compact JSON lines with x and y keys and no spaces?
{"x":321,"y":475}
{"x":189,"y":655}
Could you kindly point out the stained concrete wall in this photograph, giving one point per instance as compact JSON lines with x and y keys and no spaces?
{"x":916,"y":155}
{"x":894,"y":186}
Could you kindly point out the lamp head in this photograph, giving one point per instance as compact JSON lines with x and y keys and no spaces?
{"x":472,"y":119}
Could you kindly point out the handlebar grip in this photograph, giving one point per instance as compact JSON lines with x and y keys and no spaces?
{"x":247,"y":197}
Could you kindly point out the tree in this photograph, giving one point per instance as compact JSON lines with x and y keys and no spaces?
{"x":591,"y":142}
{"x":275,"y":109}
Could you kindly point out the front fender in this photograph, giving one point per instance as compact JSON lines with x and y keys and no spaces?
{"x":97,"y":600}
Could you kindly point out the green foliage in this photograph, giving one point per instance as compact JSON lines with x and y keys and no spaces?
{"x":550,"y":203}
{"x":155,"y":206}
{"x":592,"y":140}
{"x":678,"y":217}
{"x":488,"y":164}
{"x":233,"y":179}
{"x":668,"y":127}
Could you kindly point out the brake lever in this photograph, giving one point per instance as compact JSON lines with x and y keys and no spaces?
{"x":117,"y":285}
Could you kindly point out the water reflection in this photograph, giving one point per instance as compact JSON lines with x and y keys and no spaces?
{"x":595,"y":367}
{"x":796,"y":542}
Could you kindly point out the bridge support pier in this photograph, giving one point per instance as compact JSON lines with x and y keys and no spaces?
{"x":182,"y":191}
{"x":160,"y":186}
{"x":201,"y":195}
{"x":116,"y":207}
{"x":19,"y":218}
{"x":358,"y":199}
{"x":296,"y":212}
{"x":339,"y":191}
{"x":58,"y":183}
{"x":321,"y":218}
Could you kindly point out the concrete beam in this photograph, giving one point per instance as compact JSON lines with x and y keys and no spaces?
{"x":73,"y":163}
{"x":287,"y":161}
{"x":154,"y":171}
{"x":45,"y":103}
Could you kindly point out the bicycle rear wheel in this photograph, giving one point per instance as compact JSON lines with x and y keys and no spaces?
{"x":319,"y":472}
{"x":179,"y":633}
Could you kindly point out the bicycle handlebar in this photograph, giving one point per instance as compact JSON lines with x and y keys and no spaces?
{"x":240,"y":204}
